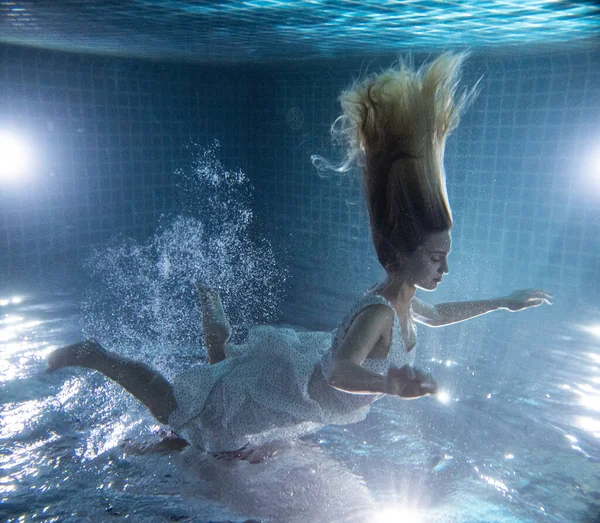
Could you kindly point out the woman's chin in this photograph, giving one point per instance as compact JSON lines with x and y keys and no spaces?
{"x":429,"y":286}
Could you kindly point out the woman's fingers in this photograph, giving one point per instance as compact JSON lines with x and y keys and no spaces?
{"x":539,"y":294}
{"x":428,"y":388}
{"x":411,"y":383}
{"x":417,"y":390}
{"x":529,"y":298}
{"x":406,"y":373}
{"x":410,"y":372}
{"x":426,"y":382}
{"x":421,"y":376}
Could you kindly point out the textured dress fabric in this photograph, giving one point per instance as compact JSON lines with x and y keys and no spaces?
{"x":275,"y":387}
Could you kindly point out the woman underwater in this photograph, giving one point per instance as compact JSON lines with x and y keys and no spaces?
{"x":282,"y":384}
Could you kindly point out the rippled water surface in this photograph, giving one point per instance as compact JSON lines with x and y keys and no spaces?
{"x":516,"y":440}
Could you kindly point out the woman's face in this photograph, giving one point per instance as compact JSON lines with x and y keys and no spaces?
{"x":426,"y":266}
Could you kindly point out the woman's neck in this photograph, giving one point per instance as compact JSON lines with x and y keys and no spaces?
{"x":397,"y":291}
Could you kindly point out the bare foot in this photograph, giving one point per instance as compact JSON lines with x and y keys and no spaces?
{"x":216,"y":326}
{"x":78,"y":354}
{"x":170,"y":443}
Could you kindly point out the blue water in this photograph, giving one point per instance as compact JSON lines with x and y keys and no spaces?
{"x":517,"y":440}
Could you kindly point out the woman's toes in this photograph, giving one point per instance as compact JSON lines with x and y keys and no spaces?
{"x":76,"y":354}
{"x":58,"y":359}
{"x":204,"y":290}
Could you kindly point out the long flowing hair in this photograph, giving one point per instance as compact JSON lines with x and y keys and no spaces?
{"x":395,"y":125}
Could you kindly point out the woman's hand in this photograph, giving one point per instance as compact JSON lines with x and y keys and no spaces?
{"x":524,"y":299}
{"x":408,"y":382}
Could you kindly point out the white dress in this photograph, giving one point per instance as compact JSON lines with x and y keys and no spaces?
{"x":274,"y":387}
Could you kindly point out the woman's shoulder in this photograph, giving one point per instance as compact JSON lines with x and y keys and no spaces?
{"x":364,"y":330}
{"x":371,"y":311}
{"x":370,"y":317}
{"x":379,"y":312}
{"x":370,"y":308}
{"x":376,"y":301}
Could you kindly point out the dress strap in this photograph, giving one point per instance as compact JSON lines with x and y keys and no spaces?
{"x":365,"y":301}
{"x":372,"y":299}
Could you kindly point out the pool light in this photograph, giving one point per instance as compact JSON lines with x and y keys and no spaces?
{"x":396,"y":515}
{"x":16,"y":156}
{"x":590,"y":167}
{"x":443,"y":397}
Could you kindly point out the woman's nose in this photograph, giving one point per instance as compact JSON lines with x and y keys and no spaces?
{"x":445,"y":268}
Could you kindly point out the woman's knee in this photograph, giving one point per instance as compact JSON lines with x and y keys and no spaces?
{"x":162,"y":401}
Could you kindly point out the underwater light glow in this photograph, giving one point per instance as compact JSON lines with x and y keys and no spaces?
{"x":7,"y":301}
{"x":443,"y":397}
{"x":590,"y":166}
{"x":597,"y":165}
{"x":589,"y":425}
{"x":593,"y":329}
{"x":396,"y":515}
{"x":16,"y":156}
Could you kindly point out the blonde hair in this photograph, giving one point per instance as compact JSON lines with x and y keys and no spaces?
{"x":395,"y":125}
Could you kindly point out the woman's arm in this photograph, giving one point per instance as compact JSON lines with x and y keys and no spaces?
{"x":348,"y":374}
{"x":454,"y":312}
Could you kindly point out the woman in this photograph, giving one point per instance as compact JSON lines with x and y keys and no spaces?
{"x":282,"y":384}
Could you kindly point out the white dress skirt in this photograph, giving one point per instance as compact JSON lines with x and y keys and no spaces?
{"x":274,"y":387}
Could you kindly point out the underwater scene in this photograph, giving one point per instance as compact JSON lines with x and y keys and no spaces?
{"x":300,"y":261}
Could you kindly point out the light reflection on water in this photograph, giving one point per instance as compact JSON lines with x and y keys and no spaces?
{"x":592,"y":329}
{"x":518,"y":440}
{"x":15,"y":300}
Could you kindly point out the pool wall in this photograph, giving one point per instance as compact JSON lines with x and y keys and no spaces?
{"x":111,"y":133}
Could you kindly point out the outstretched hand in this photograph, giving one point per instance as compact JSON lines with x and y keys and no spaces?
{"x":408,"y":382}
{"x":523,"y":299}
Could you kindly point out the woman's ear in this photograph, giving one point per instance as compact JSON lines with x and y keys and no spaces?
{"x":399,"y":263}
{"x":401,"y":260}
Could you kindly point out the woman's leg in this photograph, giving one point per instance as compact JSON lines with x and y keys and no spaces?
{"x":214,"y":323}
{"x":147,"y":385}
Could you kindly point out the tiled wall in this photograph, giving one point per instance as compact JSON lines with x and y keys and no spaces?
{"x":108,"y":135}
{"x":111,"y":133}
